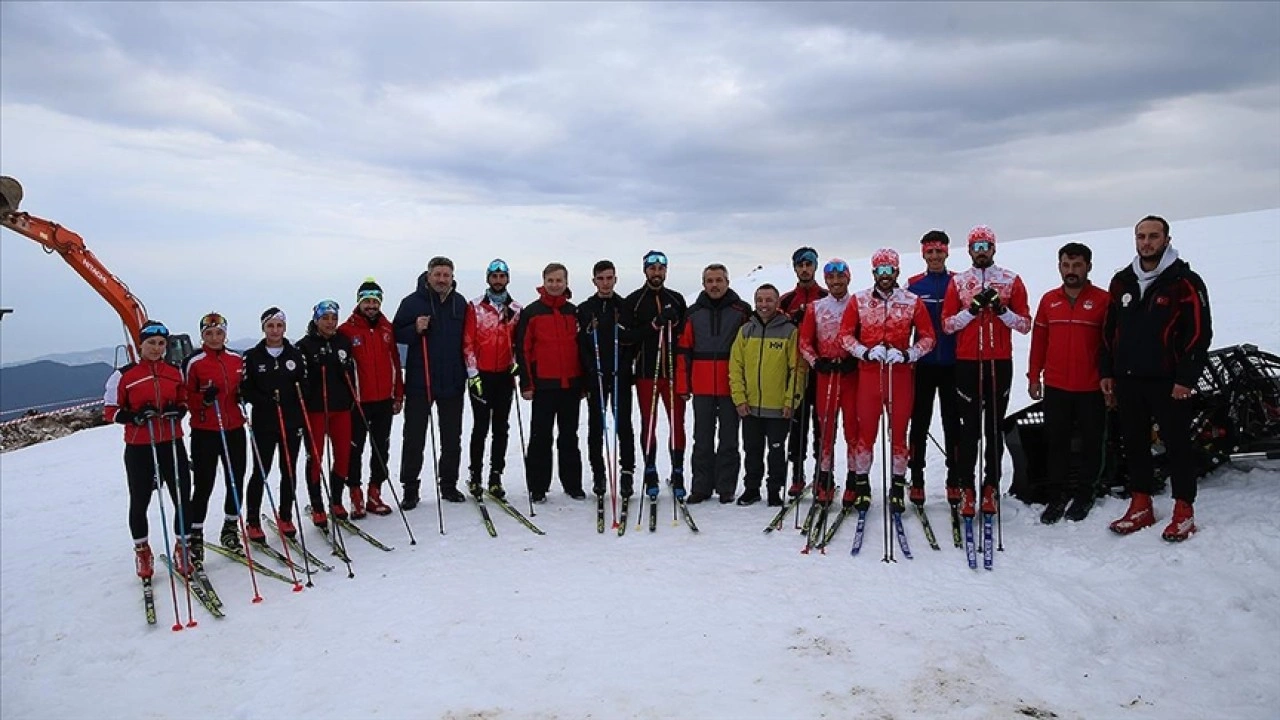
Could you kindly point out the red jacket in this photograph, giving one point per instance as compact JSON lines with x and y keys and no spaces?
{"x":547,"y":343}
{"x":1066,"y":337}
{"x":140,"y":385}
{"x":820,"y":329}
{"x":995,"y":330}
{"x":489,"y":336}
{"x":796,"y":301}
{"x":222,"y":369}
{"x":373,"y":347}
{"x":873,"y":319}
{"x":702,"y":359}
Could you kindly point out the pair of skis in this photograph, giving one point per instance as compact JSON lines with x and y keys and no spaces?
{"x":506,"y":507}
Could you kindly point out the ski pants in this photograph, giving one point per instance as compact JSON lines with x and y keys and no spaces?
{"x":417,"y":421}
{"x":804,"y":423}
{"x":881,"y":389}
{"x":335,"y":427}
{"x":1067,"y":413}
{"x":674,"y":405}
{"x":981,"y":415}
{"x":757,"y":434}
{"x":1144,"y":401}
{"x":556,"y":409}
{"x":140,"y":474}
{"x":837,"y":395}
{"x":715,"y":459}
{"x":494,"y":412}
{"x":934,"y":380}
{"x":268,"y":444}
{"x":206,"y":454}
{"x":619,"y":420}
{"x":375,"y":424}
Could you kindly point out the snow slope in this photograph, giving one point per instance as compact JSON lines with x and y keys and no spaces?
{"x":1072,"y":623}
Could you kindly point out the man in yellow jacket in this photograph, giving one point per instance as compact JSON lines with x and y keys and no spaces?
{"x":766,"y":382}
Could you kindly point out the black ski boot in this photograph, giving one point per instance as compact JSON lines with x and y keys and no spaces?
{"x":495,"y":486}
{"x":474,"y":486}
{"x":230,"y":536}
{"x":449,"y":493}
{"x":897,"y":491}
{"x":749,"y":497}
{"x":409,"y":500}
{"x":597,"y":485}
{"x":651,"y":482}
{"x":1079,"y":508}
{"x":626,"y":483}
{"x":775,"y":496}
{"x":195,"y":546}
{"x":861,"y":492}
{"x":677,"y":482}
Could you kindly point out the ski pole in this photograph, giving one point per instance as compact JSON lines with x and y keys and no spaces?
{"x":260,"y":471}
{"x":604,"y":420}
{"x":329,"y":448}
{"x":431,"y":430}
{"x":524,"y":452}
{"x":335,"y":538}
{"x":235,"y":498}
{"x":183,"y":498}
{"x":995,"y":436}
{"x":671,"y":412}
{"x":613,"y":402}
{"x":292,"y":478}
{"x":164,"y":526}
{"x":982,"y":445}
{"x":884,"y":470}
{"x":650,"y":441}
{"x":378,"y":456}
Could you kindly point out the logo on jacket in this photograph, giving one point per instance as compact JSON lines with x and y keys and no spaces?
{"x":1162,"y":300}
{"x":342,"y":356}
{"x":776,"y":344}
{"x":290,"y":365}
{"x":1088,"y":304}
{"x":357,"y":341}
{"x":1126,"y":299}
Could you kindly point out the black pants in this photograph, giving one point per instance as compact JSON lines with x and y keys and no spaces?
{"x":140,"y":473}
{"x":558,"y":408}
{"x":933,"y":380}
{"x":1144,"y":401}
{"x":715,"y":458}
{"x":757,"y":433}
{"x":804,"y":422}
{"x":378,"y":415}
{"x":494,"y":412}
{"x":206,"y":455}
{"x":619,"y":420}
{"x":981,"y":416}
{"x":448,"y":413}
{"x":1065,"y":414}
{"x":266,"y":445}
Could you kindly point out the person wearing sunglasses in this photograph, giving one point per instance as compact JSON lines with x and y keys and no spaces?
{"x":836,"y":382}
{"x":143,"y":397}
{"x":488,"y":344}
{"x":328,"y":399}
{"x":935,"y":373}
{"x":794,"y":303}
{"x":982,"y":308}
{"x":658,"y":313}
{"x":888,"y":328}
{"x":380,"y":391}
{"x":213,"y":375}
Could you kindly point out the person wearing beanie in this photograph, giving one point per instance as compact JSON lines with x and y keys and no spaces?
{"x":488,"y":346}
{"x":982,"y":307}
{"x":888,"y":329}
{"x":274,"y":371}
{"x":328,"y":399}
{"x":212,"y":375}
{"x":149,"y":399}
{"x":658,"y":313}
{"x":836,"y":382}
{"x":379,"y":391}
{"x":794,"y":303}
{"x":935,"y":373}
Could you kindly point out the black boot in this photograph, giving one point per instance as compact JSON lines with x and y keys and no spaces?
{"x":230,"y":535}
{"x":195,"y":546}
{"x":449,"y":493}
{"x":1079,"y":508}
{"x":597,"y":485}
{"x":474,"y":486}
{"x":626,"y":483}
{"x":749,"y":497}
{"x":651,"y":482}
{"x":409,"y":500}
{"x":495,"y":486}
{"x":775,"y":497}
{"x":1054,"y":510}
{"x":897,"y":489}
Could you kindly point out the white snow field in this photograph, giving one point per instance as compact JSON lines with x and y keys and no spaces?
{"x":1073,"y":622}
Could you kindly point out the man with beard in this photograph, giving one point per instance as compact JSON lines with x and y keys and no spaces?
{"x":605,"y":336}
{"x":794,"y":303}
{"x":488,"y":344}
{"x":380,"y":393}
{"x":1154,"y":347}
{"x":702,"y":367}
{"x":982,"y":306}
{"x":1065,"y":339}
{"x":936,"y":370}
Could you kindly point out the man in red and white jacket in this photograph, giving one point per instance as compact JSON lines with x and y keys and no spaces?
{"x":983,"y":305}
{"x":877,"y":329}
{"x":1063,"y":370}
{"x":488,"y":346}
{"x":379,"y":391}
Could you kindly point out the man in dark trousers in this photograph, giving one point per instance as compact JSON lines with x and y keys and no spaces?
{"x":936,"y":371}
{"x":1154,"y":348}
{"x":1065,"y":338}
{"x":605,"y":340}
{"x":794,"y":304}
{"x":489,"y":347}
{"x":430,"y":321}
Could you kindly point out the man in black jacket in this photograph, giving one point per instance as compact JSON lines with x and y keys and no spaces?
{"x":604,"y":339}
{"x":1154,"y":347}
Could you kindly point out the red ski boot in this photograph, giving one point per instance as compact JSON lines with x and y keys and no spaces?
{"x":144,"y":561}
{"x":1183,"y":523}
{"x":374,"y":504}
{"x":968,"y":502}
{"x":1138,"y":516}
{"x":357,"y":502}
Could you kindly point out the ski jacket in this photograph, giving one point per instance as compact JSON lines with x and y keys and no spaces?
{"x":140,"y":386}
{"x":820,"y":333}
{"x":444,"y":340}
{"x":931,"y":288}
{"x":874,"y":319}
{"x":613,"y":324}
{"x":267,"y":376}
{"x":764,"y":367}
{"x":994,"y":331}
{"x":546,"y":344}
{"x":796,"y":301}
{"x":1162,"y":333}
{"x":1066,"y":338}
{"x":489,"y":335}
{"x":330,"y":367}
{"x":377,"y":359}
{"x":702,"y":353}
{"x":221,"y":369}
{"x":646,"y":305}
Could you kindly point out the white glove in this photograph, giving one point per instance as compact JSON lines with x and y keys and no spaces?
{"x":894,"y":356}
{"x":913,"y":354}
{"x":876,"y":354}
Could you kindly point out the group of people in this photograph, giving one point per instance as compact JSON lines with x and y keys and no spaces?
{"x":786,"y":368}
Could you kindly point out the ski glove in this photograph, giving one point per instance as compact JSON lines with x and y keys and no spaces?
{"x":826,"y":365}
{"x":998,"y":307}
{"x":139,"y":418}
{"x":210,"y":394}
{"x":894,"y":356}
{"x":174,"y":412}
{"x":876,"y":354}
{"x":477,"y":389}
{"x":669,"y":314}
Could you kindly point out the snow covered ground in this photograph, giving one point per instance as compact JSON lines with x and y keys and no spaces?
{"x":732,"y":623}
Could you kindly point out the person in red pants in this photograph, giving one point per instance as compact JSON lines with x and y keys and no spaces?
{"x":878,"y":329}
{"x":329,"y":401}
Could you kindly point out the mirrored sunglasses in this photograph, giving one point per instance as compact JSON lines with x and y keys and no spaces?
{"x":212,"y":320}
{"x":655,"y":259}
{"x":154,"y":330}
{"x":498,"y":266}
{"x":883,"y":270}
{"x":835,"y":267}
{"x":980,"y":246}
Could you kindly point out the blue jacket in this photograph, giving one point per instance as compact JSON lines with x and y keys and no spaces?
{"x":932,"y":288}
{"x":444,"y":340}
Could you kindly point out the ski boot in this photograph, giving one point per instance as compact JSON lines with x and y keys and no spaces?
{"x":474,"y":487}
{"x":357,"y":502}
{"x":449,"y":493}
{"x":1054,"y":510}
{"x":824,"y":487}
{"x":409,"y":500}
{"x":916,"y":494}
{"x":374,"y":504}
{"x":677,"y":482}
{"x":862,"y":492}
{"x":195,"y":543}
{"x":797,"y":484}
{"x":338,"y":511}
{"x":320,"y":519}
{"x":990,"y":499}
{"x":968,"y":502}
{"x":230,"y":535}
{"x":495,"y":486}
{"x":143,"y":560}
{"x":253,"y":533}
{"x":1079,"y":508}
{"x":1182,"y":524}
{"x":954,"y":495}
{"x":749,"y":497}
{"x":651,"y":482}
{"x":1138,"y":516}
{"x":897,"y":489}
{"x":287,"y":528}
{"x":775,"y":497}
{"x":181,"y":559}
{"x":626,"y":484}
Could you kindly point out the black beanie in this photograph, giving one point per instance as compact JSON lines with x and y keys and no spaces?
{"x":369,"y":288}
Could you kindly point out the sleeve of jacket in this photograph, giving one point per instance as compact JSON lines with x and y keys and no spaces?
{"x":954,"y":317}
{"x":584,"y":340}
{"x":1039,"y":342}
{"x":1019,"y":316}
{"x":808,"y":339}
{"x":405,"y":323}
{"x":524,"y":349}
{"x":469,"y":340}
{"x":1106,"y":348}
{"x":926,"y":338}
{"x":797,"y":372}
{"x":397,"y":374}
{"x":1194,"y":331}
{"x":849,"y":330}
{"x":112,"y":397}
{"x":738,"y":368}
{"x":249,"y":391}
{"x":684,"y":360}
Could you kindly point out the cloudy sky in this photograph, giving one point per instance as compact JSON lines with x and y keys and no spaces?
{"x":231,"y":156}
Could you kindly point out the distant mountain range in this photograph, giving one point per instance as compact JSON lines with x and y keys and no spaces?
{"x":109,"y":355}
{"x":50,"y":385}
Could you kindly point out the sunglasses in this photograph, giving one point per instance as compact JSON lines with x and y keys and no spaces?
{"x":154,"y":330}
{"x":212,"y":320}
{"x":884,"y":270}
{"x":839,"y":266}
{"x":655,"y":259}
{"x":368,"y":295}
{"x":498,"y":266}
{"x":980,"y":246}
{"x":324,"y":307}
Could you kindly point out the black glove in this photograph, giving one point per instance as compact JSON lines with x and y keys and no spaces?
{"x":669,"y":314}
{"x":139,"y":418}
{"x":826,"y":365}
{"x":174,"y":412}
{"x":998,"y":307}
{"x":210,"y":394}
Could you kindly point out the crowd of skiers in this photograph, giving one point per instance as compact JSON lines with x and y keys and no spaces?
{"x":819,"y":361}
